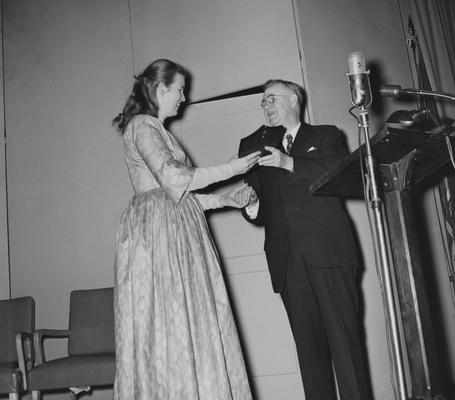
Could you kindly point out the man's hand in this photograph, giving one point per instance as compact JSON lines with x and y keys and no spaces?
{"x":277,"y":159}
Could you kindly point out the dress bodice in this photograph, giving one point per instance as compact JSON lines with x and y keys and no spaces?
{"x":155,"y":158}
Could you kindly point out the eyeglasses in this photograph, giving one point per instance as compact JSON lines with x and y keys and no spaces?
{"x":270,"y":99}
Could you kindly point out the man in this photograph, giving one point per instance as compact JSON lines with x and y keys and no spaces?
{"x":309,"y":244}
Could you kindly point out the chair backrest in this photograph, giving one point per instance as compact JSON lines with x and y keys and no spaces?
{"x":15,"y":315}
{"x":91,"y":322}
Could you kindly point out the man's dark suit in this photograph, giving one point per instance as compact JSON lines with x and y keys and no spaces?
{"x":312,"y":257}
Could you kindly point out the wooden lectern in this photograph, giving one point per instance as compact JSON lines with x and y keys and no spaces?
{"x":403,"y":157}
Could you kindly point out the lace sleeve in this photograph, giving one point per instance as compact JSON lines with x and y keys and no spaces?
{"x":209,"y":201}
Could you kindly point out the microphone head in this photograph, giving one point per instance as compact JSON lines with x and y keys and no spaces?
{"x":359,"y":83}
{"x":390,"y":90}
{"x":356,"y":63}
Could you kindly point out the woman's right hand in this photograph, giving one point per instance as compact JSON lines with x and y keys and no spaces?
{"x":238,"y":197}
{"x":244,"y":164}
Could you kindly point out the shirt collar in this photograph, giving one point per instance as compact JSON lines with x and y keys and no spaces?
{"x":292,"y":132}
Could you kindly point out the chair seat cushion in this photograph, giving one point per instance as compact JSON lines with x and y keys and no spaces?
{"x":10,"y":378}
{"x":83,"y":370}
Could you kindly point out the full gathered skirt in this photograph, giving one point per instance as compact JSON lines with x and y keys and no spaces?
{"x":175,"y":334}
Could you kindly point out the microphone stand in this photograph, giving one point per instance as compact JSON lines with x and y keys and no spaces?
{"x":383,"y":261}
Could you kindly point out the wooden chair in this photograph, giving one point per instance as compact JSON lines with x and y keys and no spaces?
{"x":17,"y":322}
{"x":91,"y":347}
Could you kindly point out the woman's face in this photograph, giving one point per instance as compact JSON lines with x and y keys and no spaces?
{"x":169,"y":98}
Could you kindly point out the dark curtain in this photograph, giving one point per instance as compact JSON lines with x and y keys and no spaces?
{"x":433,"y":67}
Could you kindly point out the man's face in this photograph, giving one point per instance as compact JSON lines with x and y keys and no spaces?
{"x":277,"y":104}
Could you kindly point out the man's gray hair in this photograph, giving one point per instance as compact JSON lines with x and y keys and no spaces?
{"x":294,"y":87}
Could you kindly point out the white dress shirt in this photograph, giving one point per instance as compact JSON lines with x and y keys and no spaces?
{"x":293,"y":133}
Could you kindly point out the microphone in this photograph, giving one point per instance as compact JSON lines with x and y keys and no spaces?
{"x":391,"y":90}
{"x":359,"y":82}
{"x":397,"y":91}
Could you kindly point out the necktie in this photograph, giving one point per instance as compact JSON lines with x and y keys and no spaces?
{"x":288,"y":143}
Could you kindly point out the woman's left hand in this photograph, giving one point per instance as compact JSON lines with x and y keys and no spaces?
{"x":238,"y":197}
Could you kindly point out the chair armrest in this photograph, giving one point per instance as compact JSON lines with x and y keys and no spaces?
{"x":40,"y":334}
{"x":25,"y":355}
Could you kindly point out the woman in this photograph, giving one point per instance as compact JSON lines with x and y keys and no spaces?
{"x":175,"y":334}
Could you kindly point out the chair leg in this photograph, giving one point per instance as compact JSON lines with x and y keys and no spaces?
{"x":14,"y":396}
{"x":36,"y":395}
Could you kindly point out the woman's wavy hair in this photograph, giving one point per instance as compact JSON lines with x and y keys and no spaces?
{"x":142,"y":99}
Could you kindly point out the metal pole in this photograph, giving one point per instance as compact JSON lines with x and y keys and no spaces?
{"x":383,"y":262}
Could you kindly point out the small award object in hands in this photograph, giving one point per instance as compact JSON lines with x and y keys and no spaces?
{"x":264,"y":136}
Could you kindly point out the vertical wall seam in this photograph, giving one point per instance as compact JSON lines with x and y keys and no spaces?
{"x":130,"y":12}
{"x":5,"y":152}
{"x":309,"y":108}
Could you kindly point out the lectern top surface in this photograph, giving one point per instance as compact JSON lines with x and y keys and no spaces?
{"x":388,"y":146}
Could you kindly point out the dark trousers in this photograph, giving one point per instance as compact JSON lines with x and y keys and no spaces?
{"x":322,"y":305}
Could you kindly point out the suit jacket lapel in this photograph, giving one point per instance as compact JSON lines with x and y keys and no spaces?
{"x":273,"y":137}
{"x":300,"y":139}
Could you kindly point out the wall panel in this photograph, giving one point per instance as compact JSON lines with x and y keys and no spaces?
{"x":251,"y":49}
{"x":67,"y":73}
